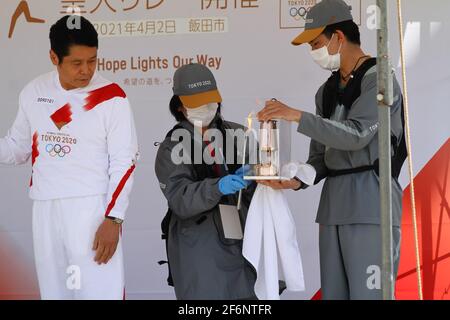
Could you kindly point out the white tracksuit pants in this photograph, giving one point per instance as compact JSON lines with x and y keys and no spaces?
{"x":63,"y":236}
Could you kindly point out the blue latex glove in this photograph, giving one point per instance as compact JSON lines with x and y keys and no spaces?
{"x":242,"y":171}
{"x":231,"y":184}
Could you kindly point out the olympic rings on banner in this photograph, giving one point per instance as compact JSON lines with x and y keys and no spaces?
{"x":298,"y":13}
{"x":58,"y":150}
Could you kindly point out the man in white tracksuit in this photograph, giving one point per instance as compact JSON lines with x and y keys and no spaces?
{"x":79,"y":130}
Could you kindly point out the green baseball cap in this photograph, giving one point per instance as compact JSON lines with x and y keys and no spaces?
{"x":195,"y":85}
{"x":320,"y":16}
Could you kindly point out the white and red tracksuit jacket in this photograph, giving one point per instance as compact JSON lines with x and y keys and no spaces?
{"x":82,"y":142}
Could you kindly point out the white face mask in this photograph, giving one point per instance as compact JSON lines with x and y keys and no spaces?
{"x":204,"y":114}
{"x":326,"y":60}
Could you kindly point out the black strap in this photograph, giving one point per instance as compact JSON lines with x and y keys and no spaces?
{"x":400,"y":149}
{"x":332,"y":95}
{"x":337,"y":173}
{"x":165,"y":236}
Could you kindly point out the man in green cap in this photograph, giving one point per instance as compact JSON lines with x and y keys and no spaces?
{"x":344,"y":151}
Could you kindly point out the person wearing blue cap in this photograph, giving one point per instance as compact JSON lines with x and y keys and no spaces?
{"x":344,"y":152}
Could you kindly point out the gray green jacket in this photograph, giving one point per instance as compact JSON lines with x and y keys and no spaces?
{"x":349,"y":139}
{"x":203,"y":263}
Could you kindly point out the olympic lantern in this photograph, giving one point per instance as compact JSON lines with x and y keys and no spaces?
{"x":269,"y":149}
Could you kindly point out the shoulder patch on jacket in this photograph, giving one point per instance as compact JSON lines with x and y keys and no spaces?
{"x":103,"y":94}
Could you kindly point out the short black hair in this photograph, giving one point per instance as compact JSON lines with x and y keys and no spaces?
{"x":349,"y":28}
{"x":63,"y":36}
{"x":174,"y":106}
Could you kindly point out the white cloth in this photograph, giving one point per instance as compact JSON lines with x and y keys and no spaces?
{"x":270,"y":238}
{"x":82,"y":142}
{"x":63,"y":236}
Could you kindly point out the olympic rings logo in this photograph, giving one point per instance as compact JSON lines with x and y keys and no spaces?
{"x":299,"y":13}
{"x":58,"y":150}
